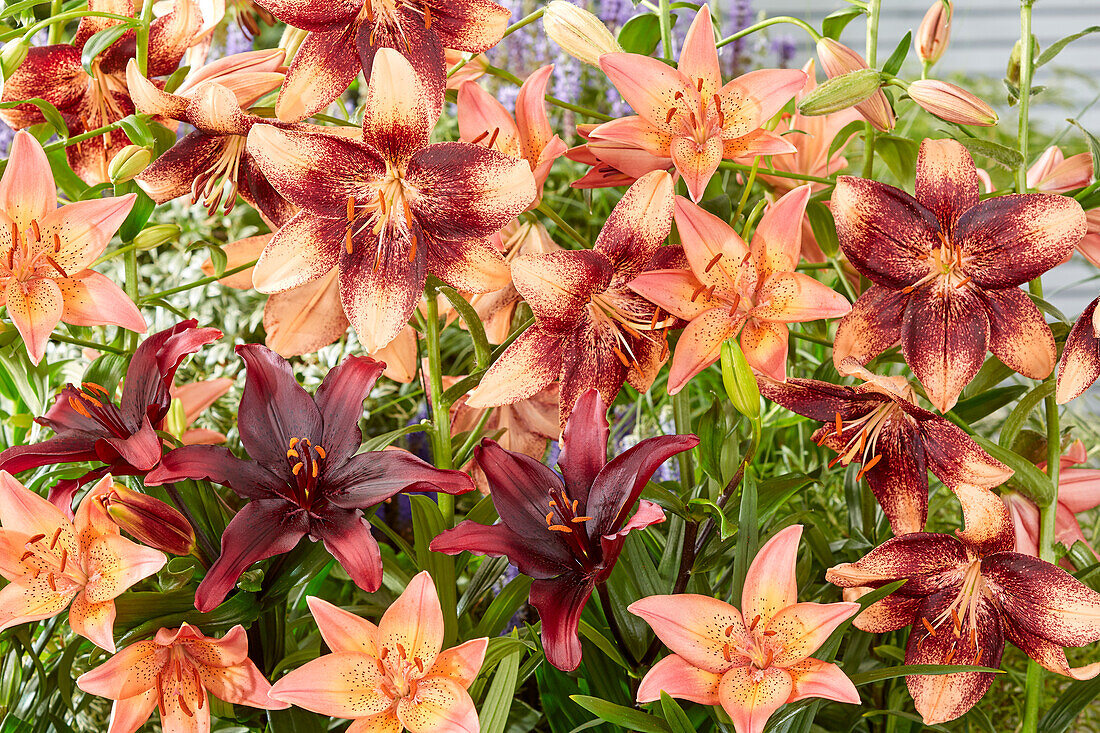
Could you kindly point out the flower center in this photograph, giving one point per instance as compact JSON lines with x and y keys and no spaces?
{"x":700,"y":124}
{"x":380,"y":13}
{"x":63,"y":573}
{"x":961,"y":617}
{"x":28,"y":258}
{"x":565,"y":518}
{"x":304,"y":460}
{"x":760,"y":650}
{"x":945,"y":264}
{"x":94,"y":403}
{"x":388,"y":207}
{"x":863,"y":434}
{"x":177,"y":673}
{"x":218,"y":183}
{"x":628,"y":320}
{"x":400,"y":673}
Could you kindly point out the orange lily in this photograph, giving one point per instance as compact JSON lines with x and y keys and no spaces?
{"x":45,"y":253}
{"x":1055,"y":173}
{"x":753,"y":660}
{"x":612,"y":162}
{"x":174,"y":673}
{"x":733,"y":288}
{"x":686,"y":114}
{"x":53,"y":562}
{"x":393,"y":676}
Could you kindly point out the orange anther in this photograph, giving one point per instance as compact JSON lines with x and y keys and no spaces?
{"x":408,"y":211}
{"x":950,"y":655}
{"x":549,"y":518}
{"x":678,"y":96}
{"x":50,"y":581}
{"x":36,"y":538}
{"x":381,"y":667}
{"x":726,"y":653}
{"x":64,"y":557}
{"x":183,"y":706}
{"x":575,"y":505}
{"x":670,"y":115}
{"x":656,"y":317}
{"x":622,"y":356}
{"x":559,"y":528}
{"x":297,"y":467}
{"x":37,"y":233}
{"x":28,"y":553}
{"x":493,"y":138}
{"x":839,"y":425}
{"x":293,"y":442}
{"x":928,"y":626}
{"x":79,"y":407}
{"x":427,"y":17}
{"x":755,"y":621}
{"x":351,"y":209}
{"x":292,"y":454}
{"x":320,"y":452}
{"x":868,"y":466}
{"x":480,"y":137}
{"x":964,"y":282}
{"x":419,"y":664}
{"x":56,"y":534}
{"x":699,"y":84}
{"x":698,"y":291}
{"x":579,"y":520}
{"x":714,"y":261}
{"x":56,"y":243}
{"x":770,"y":632}
{"x":381,"y":202}
{"x":400,"y":651}
{"x":385,"y":652}
{"x":313,"y":469}
{"x":412,"y":248}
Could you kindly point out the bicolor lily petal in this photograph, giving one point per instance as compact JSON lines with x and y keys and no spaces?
{"x":53,"y":563}
{"x":90,"y":425}
{"x":735,"y":288}
{"x":46,"y":252}
{"x":591,"y":329}
{"x":176,"y":673}
{"x":963,"y":601}
{"x":1079,"y":365}
{"x":395,"y":209}
{"x":391,"y":677}
{"x":304,"y":478}
{"x":945,"y":269}
{"x":688,"y":115}
{"x":565,"y":530}
{"x":346,"y":37}
{"x":750,"y":661}
{"x":879,"y":425}
{"x":1053,"y":172}
{"x":613,"y":162}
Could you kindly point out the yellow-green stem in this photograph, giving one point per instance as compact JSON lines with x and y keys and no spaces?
{"x":872,"y":61}
{"x":664,"y":16}
{"x":441,"y":415}
{"x":771,"y":21}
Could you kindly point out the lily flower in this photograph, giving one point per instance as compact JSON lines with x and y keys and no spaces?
{"x":1055,"y":173}
{"x":53,"y":563}
{"x":1078,"y":491}
{"x":482,"y":119}
{"x":613,"y":163}
{"x":393,"y":209}
{"x":1079,"y":365}
{"x":733,"y":288}
{"x":212,"y":163}
{"x":175,"y":673}
{"x":391,"y":677}
{"x":879,"y":425}
{"x":345,"y":37}
{"x":591,"y":329}
{"x":750,"y":661}
{"x":963,"y":601}
{"x":946,"y":269}
{"x":688,"y":115}
{"x":573,"y":545}
{"x":471,"y":70}
{"x":90,"y":101}
{"x":46,"y":252}
{"x":91,"y":426}
{"x":304,"y":478}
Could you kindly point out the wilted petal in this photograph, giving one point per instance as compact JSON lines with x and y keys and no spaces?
{"x":323,"y":68}
{"x":344,"y":685}
{"x":872,"y":326}
{"x":750,"y":696}
{"x":1018,"y":333}
{"x":693,"y":626}
{"x":815,"y":678}
{"x":947,"y":180}
{"x":680,"y":679}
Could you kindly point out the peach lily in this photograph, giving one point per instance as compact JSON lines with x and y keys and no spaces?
{"x":393,"y":209}
{"x":686,"y":114}
{"x":345,"y":36}
{"x":45,"y":253}
{"x":174,"y":673}
{"x":947,"y":268}
{"x":53,"y":563}
{"x":753,"y":660}
{"x":391,"y":677}
{"x":612,"y":162}
{"x":1055,"y":173}
{"x":590,"y":329}
{"x":734,"y":288}
{"x":484,"y":120}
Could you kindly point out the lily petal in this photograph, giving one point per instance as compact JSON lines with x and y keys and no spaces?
{"x":532,"y":554}
{"x":481,"y":115}
{"x":323,"y":68}
{"x":130,"y":672}
{"x":794,"y":297}
{"x":241,"y":684}
{"x":815,"y":678}
{"x":696,"y":162}
{"x":706,"y":237}
{"x":700,"y":345}
{"x":584,"y":445}
{"x":340,"y":400}
{"x":35,"y":307}
{"x":947,"y":180}
{"x":750,"y":696}
{"x":638,"y":224}
{"x":381,"y":283}
{"x":920,"y":557}
{"x":343,"y":685}
{"x":23,"y":511}
{"x":872,"y":326}
{"x":804,"y":627}
{"x":699,"y":54}
{"x":460,"y":663}
{"x":27,"y":189}
{"x":560,"y":602}
{"x":1018,"y":333}
{"x":765,"y":347}
{"x":1049,"y":655}
{"x":400,"y":110}
{"x":347,"y":537}
{"x":648,"y":85}
{"x":752,"y":99}
{"x":343,"y":631}
{"x":93,"y":621}
{"x":412,"y":627}
{"x":680,"y":679}
{"x":770,"y":584}
{"x":1079,"y":366}
{"x":672,"y":290}
{"x":303,"y":319}
{"x":90,"y":299}
{"x":899,"y":480}
{"x":693,"y":626}
{"x":525,"y":368}
{"x":440,"y":706}
{"x":777,"y":242}
{"x":374,"y":476}
{"x":214,"y":463}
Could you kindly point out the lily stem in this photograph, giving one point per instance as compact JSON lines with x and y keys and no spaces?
{"x":612,"y":624}
{"x":730,"y":165}
{"x":555,"y":217}
{"x":771,"y":21}
{"x":143,"y":38}
{"x":664,"y":16}
{"x":441,"y":418}
{"x":196,"y":284}
{"x":55,"y":336}
{"x":872,"y":60}
{"x":745,"y":193}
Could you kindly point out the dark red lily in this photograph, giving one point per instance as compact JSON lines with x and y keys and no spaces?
{"x":122,"y":436}
{"x":304,"y":477}
{"x":566,"y":531}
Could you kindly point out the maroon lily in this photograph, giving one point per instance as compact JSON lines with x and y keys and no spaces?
{"x":121,"y":436}
{"x":947,"y":268}
{"x":304,"y":478}
{"x":878,"y":424}
{"x":565,"y":531}
{"x":1079,"y":366}
{"x":964,"y":597}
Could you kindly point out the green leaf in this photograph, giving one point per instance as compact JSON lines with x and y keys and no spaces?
{"x":629,"y":718}
{"x":726,"y":528}
{"x":1003,"y":155}
{"x":677,"y":719}
{"x":1094,"y":144}
{"x":138,"y":216}
{"x":503,"y":607}
{"x":106,"y":371}
{"x":482,"y":349}
{"x":889,"y":673}
{"x":296,"y":720}
{"x":774,"y":492}
{"x":834,"y":23}
{"x":498,"y":700}
{"x":1031,"y":482}
{"x":899,"y":154}
{"x":641,"y":34}
{"x":1076,"y":697}
{"x":49,"y":112}
{"x":984,"y":404}
{"x":1016,"y":419}
{"x":428,"y":523}
{"x":378,"y":442}
{"x":897,"y":58}
{"x":99,"y":42}
{"x":138,"y":131}
{"x":16,"y":8}
{"x":1055,"y":48}
{"x":824,"y":227}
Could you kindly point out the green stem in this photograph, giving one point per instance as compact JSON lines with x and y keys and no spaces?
{"x":527,"y":20}
{"x":664,"y":16}
{"x":745,"y":193}
{"x":553,"y":216}
{"x":872,"y":61}
{"x":57,"y":336}
{"x":62,"y":18}
{"x":55,"y":30}
{"x":441,"y":417}
{"x":143,"y":38}
{"x":196,"y":284}
{"x":771,"y":21}
{"x":510,"y":77}
{"x":729,"y":165}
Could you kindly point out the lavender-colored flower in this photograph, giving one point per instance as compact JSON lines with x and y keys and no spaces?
{"x":6,"y":136}
{"x":784,"y":47}
{"x":737,"y":58}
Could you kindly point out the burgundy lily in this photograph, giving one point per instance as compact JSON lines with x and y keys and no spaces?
{"x":878,"y":424}
{"x":121,"y":436}
{"x":304,"y":478}
{"x":566,"y":531}
{"x":963,"y":601}
{"x":345,"y":36}
{"x":89,"y":101}
{"x":946,"y":269}
{"x":1079,"y":366}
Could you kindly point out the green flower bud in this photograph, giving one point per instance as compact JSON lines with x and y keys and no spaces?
{"x":841,"y":92}
{"x":156,"y":235}
{"x":129,"y":162}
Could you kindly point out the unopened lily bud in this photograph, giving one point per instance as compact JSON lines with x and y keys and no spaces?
{"x":837,"y":60}
{"x":934,"y":32}
{"x":292,"y":40}
{"x":149,"y":520}
{"x":579,"y":33}
{"x":951,"y":103}
{"x":739,"y":381}
{"x":841,"y":92}
{"x":129,"y":162}
{"x":175,"y":422}
{"x":156,"y":235}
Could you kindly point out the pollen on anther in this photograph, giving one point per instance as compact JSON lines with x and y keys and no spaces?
{"x":839,"y":425}
{"x":670,"y":115}
{"x":493,"y":137}
{"x":56,"y":242}
{"x":56,"y":534}
{"x":292,"y":454}
{"x":713,"y":261}
{"x":928,"y":626}
{"x":297,"y":467}
{"x":755,"y":621}
{"x":559,"y":528}
{"x":320,"y":452}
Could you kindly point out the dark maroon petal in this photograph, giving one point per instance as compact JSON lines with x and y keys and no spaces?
{"x":612,"y":544}
{"x":347,"y":536}
{"x":374,"y":476}
{"x":340,"y":400}
{"x":274,"y":409}
{"x":173,"y":174}
{"x":893,"y":612}
{"x":1051,"y":656}
{"x":323,"y":68}
{"x":819,"y":400}
{"x":215,"y":463}
{"x":885,"y":233}
{"x":1079,"y":366}
{"x":584,"y":445}
{"x":313,"y":16}
{"x":637,"y":225}
{"x":153,"y":367}
{"x":141,"y":449}
{"x":1008,"y":240}
{"x":535,"y":556}
{"x":900,"y":478}
{"x":470,"y":25}
{"x":1018,"y":332}
{"x":560,"y":602}
{"x":170,"y":36}
{"x":618,"y":485}
{"x":62,"y":416}
{"x":944,"y":338}
{"x":71,"y":448}
{"x":419,"y":45}
{"x":520,"y":487}
{"x":872,"y":326}
{"x":589,"y":361}
{"x":471,"y":266}
{"x":927,"y":560}
{"x":261,"y":529}
{"x":1043,"y":599}
{"x":947,"y":180}
{"x":53,"y":73}
{"x":258,"y":192}
{"x":956,"y":459}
